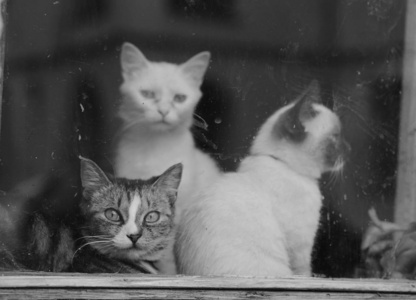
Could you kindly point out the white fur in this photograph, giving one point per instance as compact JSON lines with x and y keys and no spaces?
{"x":130,"y":227}
{"x":156,"y":131}
{"x":305,"y":158}
{"x":150,"y":154}
{"x":261,"y":220}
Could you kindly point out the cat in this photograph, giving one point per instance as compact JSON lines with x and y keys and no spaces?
{"x":158,"y":104}
{"x":130,"y":221}
{"x":120,"y":225}
{"x":262,"y":219}
{"x":15,"y":218}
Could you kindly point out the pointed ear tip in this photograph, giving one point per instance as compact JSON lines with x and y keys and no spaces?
{"x":130,"y":48}
{"x":84,"y":159}
{"x":178,"y":166}
{"x":127,"y":45}
{"x":205,"y":55}
{"x":208,"y":56}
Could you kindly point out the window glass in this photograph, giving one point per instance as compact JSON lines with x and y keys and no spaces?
{"x":62,"y":77}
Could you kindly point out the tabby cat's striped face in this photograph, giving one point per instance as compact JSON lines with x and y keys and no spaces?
{"x":130,"y":219}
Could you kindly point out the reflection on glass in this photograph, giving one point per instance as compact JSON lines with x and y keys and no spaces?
{"x":231,"y":65}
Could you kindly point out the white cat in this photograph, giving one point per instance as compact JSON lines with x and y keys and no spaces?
{"x":262,"y":219}
{"x":158,"y":103}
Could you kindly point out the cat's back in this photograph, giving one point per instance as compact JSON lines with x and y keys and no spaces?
{"x":258,"y":188}
{"x":294,"y":198}
{"x":206,"y":168}
{"x":237,"y":226}
{"x":216,"y":231}
{"x":280,"y":179}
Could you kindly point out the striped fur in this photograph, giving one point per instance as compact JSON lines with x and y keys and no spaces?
{"x":94,"y":237}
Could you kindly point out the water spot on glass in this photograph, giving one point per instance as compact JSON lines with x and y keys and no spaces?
{"x":218,"y":120}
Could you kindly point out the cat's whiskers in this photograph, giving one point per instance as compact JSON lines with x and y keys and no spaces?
{"x":200,"y":122}
{"x":128,"y":126}
{"x":369,"y":126}
{"x":90,"y":243}
{"x":331,"y":179}
{"x":337,"y":173}
{"x":88,"y":237}
{"x":106,"y":248}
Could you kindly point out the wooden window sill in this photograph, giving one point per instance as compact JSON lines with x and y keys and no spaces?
{"x":129,"y":286}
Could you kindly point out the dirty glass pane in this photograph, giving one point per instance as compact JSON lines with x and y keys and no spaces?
{"x":62,"y":94}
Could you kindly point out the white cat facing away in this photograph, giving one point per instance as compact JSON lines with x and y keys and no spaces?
{"x":158,"y":104}
{"x":262,"y":219}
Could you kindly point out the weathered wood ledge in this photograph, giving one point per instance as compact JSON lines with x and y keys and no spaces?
{"x":129,"y":286}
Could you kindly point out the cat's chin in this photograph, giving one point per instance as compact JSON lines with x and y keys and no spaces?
{"x":165,"y":126}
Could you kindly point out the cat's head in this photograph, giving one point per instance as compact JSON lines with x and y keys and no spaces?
{"x":160,"y":95}
{"x":128,"y":219}
{"x":304,"y":134}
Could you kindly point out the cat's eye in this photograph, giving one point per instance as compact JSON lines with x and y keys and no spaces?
{"x":152,"y":217}
{"x":112,"y":215}
{"x":179,"y":98}
{"x":148,"y":94}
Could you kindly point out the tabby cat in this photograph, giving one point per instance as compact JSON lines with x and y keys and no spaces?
{"x":120,"y":225}
{"x":262,"y":219}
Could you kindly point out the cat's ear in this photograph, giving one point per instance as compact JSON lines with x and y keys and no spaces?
{"x":92,"y":177}
{"x":303,"y":108}
{"x":291,"y":122}
{"x":132,"y":59}
{"x":312,"y":94}
{"x":196,"y":67}
{"x":169,"y":181}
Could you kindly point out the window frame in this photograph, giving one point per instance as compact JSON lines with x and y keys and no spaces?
{"x":139,"y":286}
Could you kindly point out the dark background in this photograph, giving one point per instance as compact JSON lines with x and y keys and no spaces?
{"x":62,"y":76}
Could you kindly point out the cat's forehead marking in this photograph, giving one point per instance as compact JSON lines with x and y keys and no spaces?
{"x":134,"y":208}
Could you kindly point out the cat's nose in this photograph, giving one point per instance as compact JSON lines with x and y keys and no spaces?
{"x":163,"y":111}
{"x":134,"y":237}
